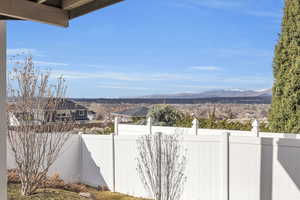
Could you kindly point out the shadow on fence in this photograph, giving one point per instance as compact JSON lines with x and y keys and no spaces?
{"x":266,"y":178}
{"x":91,"y":172}
{"x":289,"y":158}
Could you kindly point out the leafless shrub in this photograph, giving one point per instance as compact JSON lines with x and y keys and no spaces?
{"x":35,"y":144}
{"x":13,"y":176}
{"x":54,"y":182}
{"x":161,"y":165}
{"x":57,"y":183}
{"x":103,"y":188}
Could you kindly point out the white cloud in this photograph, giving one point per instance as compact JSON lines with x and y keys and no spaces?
{"x":123,"y":87}
{"x":168,"y":76}
{"x":22,"y":51}
{"x":90,"y":75}
{"x":39,"y":63}
{"x":253,"y":80}
{"x":244,"y":53}
{"x":264,"y":14}
{"x":186,"y":81}
{"x":238,"y":6}
{"x":215,"y":3}
{"x":197,"y":86}
{"x":205,"y":68}
{"x":49,"y":64}
{"x":93,"y":66}
{"x":121,"y":76}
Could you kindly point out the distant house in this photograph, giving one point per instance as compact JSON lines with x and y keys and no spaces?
{"x":91,"y":115}
{"x":129,"y":114}
{"x":66,"y":110}
{"x":69,"y":110}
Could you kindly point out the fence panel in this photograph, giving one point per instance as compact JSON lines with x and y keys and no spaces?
{"x":286,"y":167}
{"x":127,"y":179}
{"x":96,"y":164}
{"x":245,"y":165}
{"x":67,"y":165}
{"x":204,"y":166}
{"x":203,"y":169}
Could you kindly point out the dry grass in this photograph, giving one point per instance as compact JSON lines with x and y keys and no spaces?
{"x":57,"y":194}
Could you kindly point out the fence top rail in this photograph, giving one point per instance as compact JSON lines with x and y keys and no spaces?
{"x":126,"y":129}
{"x":268,"y":141}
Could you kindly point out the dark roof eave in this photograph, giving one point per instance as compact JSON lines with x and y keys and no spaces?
{"x":55,"y":12}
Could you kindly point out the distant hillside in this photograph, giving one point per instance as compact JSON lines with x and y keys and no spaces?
{"x":222,"y":100}
{"x":214,"y":93}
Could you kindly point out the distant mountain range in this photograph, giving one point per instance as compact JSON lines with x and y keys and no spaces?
{"x":214,"y":93}
{"x":225,"y":96}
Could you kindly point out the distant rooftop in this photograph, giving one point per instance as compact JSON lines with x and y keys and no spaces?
{"x":62,"y":104}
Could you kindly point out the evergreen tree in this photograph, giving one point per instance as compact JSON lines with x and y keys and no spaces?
{"x":285,"y":110}
{"x":164,"y":115}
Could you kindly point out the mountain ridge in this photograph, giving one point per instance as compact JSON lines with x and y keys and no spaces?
{"x":215,"y":93}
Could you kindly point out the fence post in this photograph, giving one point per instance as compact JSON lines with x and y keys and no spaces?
{"x":159,"y":135}
{"x":117,"y":120}
{"x":149,"y":125}
{"x":114,"y":162}
{"x":275,"y":166}
{"x":225,"y":168}
{"x":255,"y":127}
{"x":260,"y":166}
{"x":80,"y":164}
{"x":195,"y":126}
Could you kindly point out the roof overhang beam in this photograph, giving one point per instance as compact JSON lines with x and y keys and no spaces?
{"x":28,"y":10}
{"x":41,"y":1}
{"x":91,"y":6}
{"x":71,"y":4}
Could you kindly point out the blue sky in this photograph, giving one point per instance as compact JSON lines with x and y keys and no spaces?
{"x":155,"y":47}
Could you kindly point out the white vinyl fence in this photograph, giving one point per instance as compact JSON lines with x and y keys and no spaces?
{"x":222,"y":164}
{"x":68,"y":163}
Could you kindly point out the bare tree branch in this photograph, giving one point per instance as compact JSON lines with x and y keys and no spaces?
{"x":161,"y":165}
{"x":35,"y":144}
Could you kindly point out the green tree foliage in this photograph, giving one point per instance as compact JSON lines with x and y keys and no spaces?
{"x":227,"y":124}
{"x":165,"y":115}
{"x":285,"y":110}
{"x":213,"y":123}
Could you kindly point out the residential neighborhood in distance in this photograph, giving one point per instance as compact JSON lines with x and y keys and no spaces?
{"x":236,"y":105}
{"x":66,"y":110}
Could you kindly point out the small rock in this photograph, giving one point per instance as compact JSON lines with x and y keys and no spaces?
{"x":87,"y":195}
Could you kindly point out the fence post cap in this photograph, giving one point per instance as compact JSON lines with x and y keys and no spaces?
{"x":195,"y":126}
{"x":255,"y":127}
{"x":255,"y":123}
{"x":149,"y":125}
{"x":149,"y":119}
{"x":227,"y":133}
{"x":195,"y":122}
{"x":116,"y":125}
